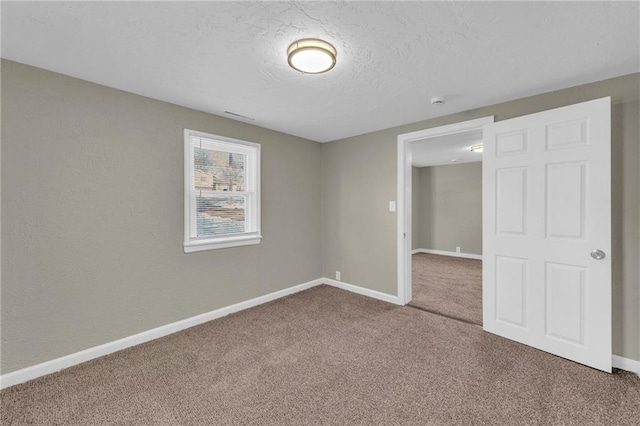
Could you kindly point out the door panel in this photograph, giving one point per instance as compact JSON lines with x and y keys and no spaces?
{"x":565,"y":198}
{"x":564,"y":288}
{"x":546,"y":206}
{"x":511,"y":290}
{"x":511,"y":194}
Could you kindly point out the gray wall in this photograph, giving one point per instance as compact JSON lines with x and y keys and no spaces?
{"x":417,"y":214}
{"x":359,"y":233}
{"x":92,"y":207}
{"x":450,"y":208}
{"x":92,"y":217}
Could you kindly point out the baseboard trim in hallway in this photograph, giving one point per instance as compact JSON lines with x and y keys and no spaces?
{"x":448,"y":253}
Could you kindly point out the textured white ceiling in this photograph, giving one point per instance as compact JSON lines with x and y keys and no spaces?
{"x":448,"y":149}
{"x":392,"y":57}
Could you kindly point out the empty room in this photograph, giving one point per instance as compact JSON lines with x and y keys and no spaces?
{"x":446,"y":225}
{"x":320,"y":213}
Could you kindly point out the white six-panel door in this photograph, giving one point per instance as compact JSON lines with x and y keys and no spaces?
{"x":547,"y":207}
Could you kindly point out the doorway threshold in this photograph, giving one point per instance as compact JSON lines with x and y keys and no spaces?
{"x":440,"y":314}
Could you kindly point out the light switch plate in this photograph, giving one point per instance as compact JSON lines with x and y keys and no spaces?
{"x":392,"y":206}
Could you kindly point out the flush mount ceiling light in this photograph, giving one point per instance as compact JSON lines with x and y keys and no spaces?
{"x":476,"y":148}
{"x":311,"y":56}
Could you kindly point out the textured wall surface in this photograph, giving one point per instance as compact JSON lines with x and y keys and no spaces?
{"x":450,"y":208}
{"x":92,"y":217}
{"x":365,"y":167}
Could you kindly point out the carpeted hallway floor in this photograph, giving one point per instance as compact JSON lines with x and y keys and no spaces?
{"x":447,"y":285}
{"x":326,"y":356}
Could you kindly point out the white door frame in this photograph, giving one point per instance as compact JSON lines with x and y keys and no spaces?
{"x":405,"y":142}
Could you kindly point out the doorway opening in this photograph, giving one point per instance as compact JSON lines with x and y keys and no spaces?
{"x":440,"y":220}
{"x":546,"y":190}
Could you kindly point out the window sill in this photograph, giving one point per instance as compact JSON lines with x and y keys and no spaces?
{"x":193,"y":246}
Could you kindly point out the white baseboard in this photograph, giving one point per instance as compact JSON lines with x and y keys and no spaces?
{"x":448,"y":253}
{"x":363,"y":291}
{"x":54,"y":365}
{"x":627,"y":364}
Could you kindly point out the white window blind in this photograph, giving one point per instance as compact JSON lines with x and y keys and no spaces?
{"x":222,"y":192}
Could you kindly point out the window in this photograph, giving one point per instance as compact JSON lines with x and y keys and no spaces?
{"x":222,"y":192}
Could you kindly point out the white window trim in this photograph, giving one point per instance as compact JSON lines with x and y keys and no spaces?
{"x":193,"y":245}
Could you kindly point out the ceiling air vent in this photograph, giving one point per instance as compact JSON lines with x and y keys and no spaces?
{"x":236,"y":115}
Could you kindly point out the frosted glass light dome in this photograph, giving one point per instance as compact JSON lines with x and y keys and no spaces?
{"x":311,"y":56}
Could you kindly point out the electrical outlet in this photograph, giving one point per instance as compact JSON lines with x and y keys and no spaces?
{"x":337,"y":275}
{"x":457,"y":249}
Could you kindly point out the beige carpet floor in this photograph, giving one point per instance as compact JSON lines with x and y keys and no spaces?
{"x":326,"y":356}
{"x":447,"y":285}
